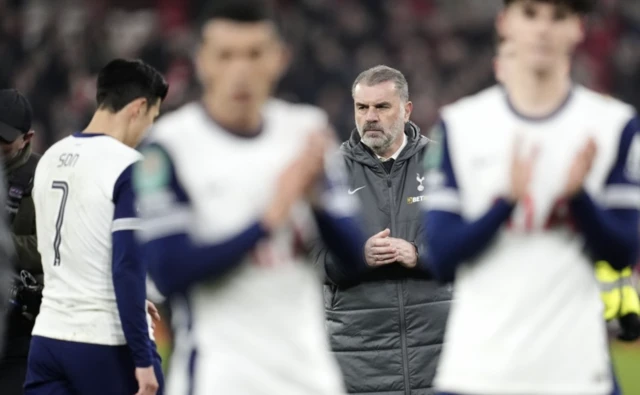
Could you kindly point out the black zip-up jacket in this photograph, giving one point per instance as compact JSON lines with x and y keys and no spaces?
{"x":19,"y":172}
{"x":386,"y":326}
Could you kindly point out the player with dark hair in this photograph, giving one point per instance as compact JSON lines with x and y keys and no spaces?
{"x":532,"y":182}
{"x":228,"y":245}
{"x":92,"y":335}
{"x":122,"y":81}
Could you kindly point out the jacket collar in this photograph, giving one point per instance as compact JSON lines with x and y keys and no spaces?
{"x":354,"y":149}
{"x":398,"y":152}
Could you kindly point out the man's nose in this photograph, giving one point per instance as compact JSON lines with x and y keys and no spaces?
{"x":543,"y":28}
{"x":372,"y":115}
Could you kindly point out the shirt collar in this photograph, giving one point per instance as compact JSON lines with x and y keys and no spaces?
{"x":397,"y":153}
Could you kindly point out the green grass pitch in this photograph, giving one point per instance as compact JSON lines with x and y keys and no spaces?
{"x":626,"y":358}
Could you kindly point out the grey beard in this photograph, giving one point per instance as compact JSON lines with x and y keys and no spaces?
{"x":378,"y":145}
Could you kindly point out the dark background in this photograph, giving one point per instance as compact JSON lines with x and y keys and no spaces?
{"x":51,"y":51}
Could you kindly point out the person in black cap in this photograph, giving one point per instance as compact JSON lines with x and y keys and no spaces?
{"x":19,"y":164}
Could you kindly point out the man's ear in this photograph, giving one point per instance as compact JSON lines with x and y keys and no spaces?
{"x":581,"y":32}
{"x":286,"y":57}
{"x":137,"y":107}
{"x":28,"y":136}
{"x":201,"y":65}
{"x":408,"y":108}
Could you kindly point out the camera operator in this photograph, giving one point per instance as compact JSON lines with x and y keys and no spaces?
{"x":24,"y":301}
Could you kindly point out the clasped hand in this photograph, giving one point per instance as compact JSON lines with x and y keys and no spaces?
{"x":381,"y":250}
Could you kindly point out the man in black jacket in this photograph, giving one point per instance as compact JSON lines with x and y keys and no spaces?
{"x":19,"y":167}
{"x":386,"y":324}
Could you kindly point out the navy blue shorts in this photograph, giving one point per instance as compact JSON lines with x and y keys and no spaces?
{"x":58,"y":367}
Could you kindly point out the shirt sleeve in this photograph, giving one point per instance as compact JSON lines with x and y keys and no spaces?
{"x":337,"y":215}
{"x":610,"y":222}
{"x":451,"y":240}
{"x":129,"y":274}
{"x":175,"y":261}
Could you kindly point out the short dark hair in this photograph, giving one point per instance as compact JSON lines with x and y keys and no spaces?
{"x":582,"y":7}
{"x":243,"y":11}
{"x":122,"y":81}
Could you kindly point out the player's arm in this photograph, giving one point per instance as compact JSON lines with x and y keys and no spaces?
{"x":129,"y":274}
{"x":450,"y":239}
{"x":175,"y":261}
{"x":610,"y":225}
{"x":337,"y":216}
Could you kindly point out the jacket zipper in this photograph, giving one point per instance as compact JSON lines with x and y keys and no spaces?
{"x":391,"y":205}
{"x":403,"y":341}
{"x":400,"y":286}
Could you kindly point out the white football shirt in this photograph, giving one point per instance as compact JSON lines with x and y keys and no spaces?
{"x":527,"y":315}
{"x":259,"y":328}
{"x":73,"y":196}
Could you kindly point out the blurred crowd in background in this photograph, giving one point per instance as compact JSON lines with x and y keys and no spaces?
{"x":51,"y":50}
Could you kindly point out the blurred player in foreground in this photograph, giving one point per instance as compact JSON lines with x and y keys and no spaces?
{"x":533,"y":181}
{"x":618,"y":294}
{"x":620,"y":299}
{"x":224,"y":193}
{"x":91,"y":336}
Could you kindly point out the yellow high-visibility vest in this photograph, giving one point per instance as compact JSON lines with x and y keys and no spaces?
{"x":617,"y":292}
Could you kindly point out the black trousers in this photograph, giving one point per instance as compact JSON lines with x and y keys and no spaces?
{"x":13,"y":365}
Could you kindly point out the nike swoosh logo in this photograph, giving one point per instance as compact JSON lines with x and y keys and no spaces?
{"x":351,"y":192}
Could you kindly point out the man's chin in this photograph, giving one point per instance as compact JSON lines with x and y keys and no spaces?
{"x":374,"y":143}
